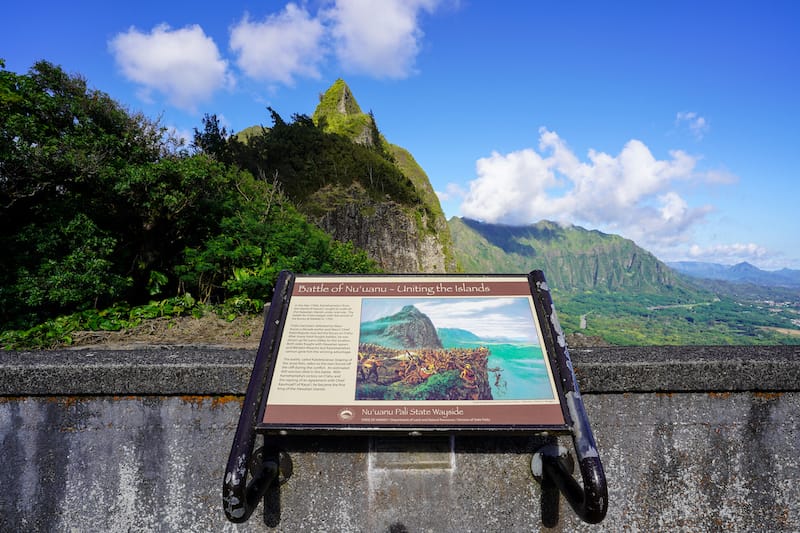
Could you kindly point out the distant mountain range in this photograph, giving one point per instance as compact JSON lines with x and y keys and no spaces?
{"x":456,"y":336}
{"x":574,"y":258}
{"x":740,"y":273}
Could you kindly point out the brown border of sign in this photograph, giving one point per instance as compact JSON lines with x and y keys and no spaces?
{"x":421,"y":415}
{"x":407,"y":415}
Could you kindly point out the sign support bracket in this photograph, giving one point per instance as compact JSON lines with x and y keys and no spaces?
{"x":241,"y":497}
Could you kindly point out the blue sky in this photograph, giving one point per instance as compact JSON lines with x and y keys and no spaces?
{"x":673,"y":123}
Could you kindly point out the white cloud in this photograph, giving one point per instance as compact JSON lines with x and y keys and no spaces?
{"x":729,"y":253}
{"x":281,"y":47}
{"x":489,"y":317}
{"x":380,"y":38}
{"x":377,"y":38}
{"x":632,"y":193}
{"x":721,"y":177}
{"x":451,"y":192}
{"x":697,"y":125}
{"x":183,"y":64}
{"x":457,"y":309}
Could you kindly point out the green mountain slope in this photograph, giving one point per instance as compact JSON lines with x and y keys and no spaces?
{"x":571,"y":257}
{"x":346,"y":178}
{"x":438,"y":223}
{"x":607,"y":289}
{"x":380,"y":226}
{"x":456,"y":336}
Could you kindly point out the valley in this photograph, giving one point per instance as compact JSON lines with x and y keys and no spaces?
{"x":607,"y":289}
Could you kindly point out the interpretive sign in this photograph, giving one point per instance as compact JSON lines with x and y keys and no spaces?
{"x":413,"y":355}
{"x":411,"y":352}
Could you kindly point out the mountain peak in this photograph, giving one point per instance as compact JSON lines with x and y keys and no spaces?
{"x":744,"y":266}
{"x":338,"y":99}
{"x":409,"y":328}
{"x":338,"y":112}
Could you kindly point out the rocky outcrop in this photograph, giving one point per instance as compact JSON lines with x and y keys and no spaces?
{"x":396,"y":236}
{"x":414,"y":328}
{"x":401,"y":237}
{"x":409,"y":328}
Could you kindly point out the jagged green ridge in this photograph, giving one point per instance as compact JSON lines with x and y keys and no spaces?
{"x":409,"y":166}
{"x":305,"y":158}
{"x":339,"y":100}
{"x":338,"y":112}
{"x":572,"y":258}
{"x":608,"y":288}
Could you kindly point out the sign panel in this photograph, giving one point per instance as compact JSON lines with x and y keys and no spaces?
{"x":401,"y":352}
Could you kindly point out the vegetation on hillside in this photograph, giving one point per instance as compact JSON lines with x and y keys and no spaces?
{"x":338,"y":113}
{"x":572,"y":257}
{"x":409,"y":166}
{"x":648,"y":318}
{"x":101,"y":209}
{"x":605,"y":287}
{"x":300,"y":158}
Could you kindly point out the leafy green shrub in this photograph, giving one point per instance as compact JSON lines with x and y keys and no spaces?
{"x":59,"y":331}
{"x":99,"y":206}
{"x":265,"y":236}
{"x":75,"y":269}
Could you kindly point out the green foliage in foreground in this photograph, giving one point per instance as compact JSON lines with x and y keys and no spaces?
{"x":436,"y":387}
{"x":59,"y":331}
{"x":102,"y":210}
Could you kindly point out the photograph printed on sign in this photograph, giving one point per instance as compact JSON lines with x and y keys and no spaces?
{"x":450,"y":349}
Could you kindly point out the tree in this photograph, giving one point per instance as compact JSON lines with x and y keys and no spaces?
{"x":98,"y":206}
{"x":62,"y":146}
{"x":65,"y":150}
{"x":213,"y":140}
{"x":305,"y":158}
{"x":263,"y":235}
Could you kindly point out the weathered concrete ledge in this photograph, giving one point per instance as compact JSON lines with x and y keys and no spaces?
{"x":153,"y":370}
{"x":214,"y":371}
{"x":691,"y":438}
{"x":688,"y":369}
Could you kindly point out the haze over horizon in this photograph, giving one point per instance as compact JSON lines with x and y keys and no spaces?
{"x":674,"y":125}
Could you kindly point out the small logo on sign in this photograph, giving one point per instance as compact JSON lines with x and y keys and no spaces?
{"x":345,"y":414}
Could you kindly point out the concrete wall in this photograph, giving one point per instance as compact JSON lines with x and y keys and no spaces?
{"x":692,"y":439}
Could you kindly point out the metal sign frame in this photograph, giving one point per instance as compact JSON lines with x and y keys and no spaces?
{"x":245,"y":482}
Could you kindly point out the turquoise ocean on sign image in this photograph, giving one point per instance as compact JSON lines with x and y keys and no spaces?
{"x":522,"y":369}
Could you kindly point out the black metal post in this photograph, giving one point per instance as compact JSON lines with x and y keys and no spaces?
{"x":240,"y":497}
{"x":590,"y":502}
